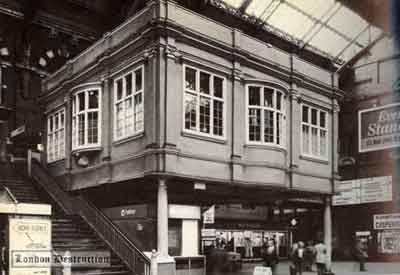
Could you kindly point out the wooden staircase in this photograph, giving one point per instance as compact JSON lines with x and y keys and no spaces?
{"x":72,"y":229}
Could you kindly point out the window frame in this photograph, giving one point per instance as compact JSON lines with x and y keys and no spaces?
{"x":52,"y":114}
{"x":319,"y":129}
{"x":116,"y":101}
{"x":211,"y":97}
{"x":262,"y":119}
{"x":75,"y":94}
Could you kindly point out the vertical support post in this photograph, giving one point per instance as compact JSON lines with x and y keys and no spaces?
{"x":67,"y":266}
{"x":328,"y":232}
{"x":162,"y":218}
{"x":153,"y":263}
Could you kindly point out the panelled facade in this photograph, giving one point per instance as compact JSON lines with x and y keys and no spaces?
{"x":171,"y":100}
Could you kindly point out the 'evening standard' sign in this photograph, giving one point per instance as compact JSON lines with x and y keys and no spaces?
{"x":379,"y":128}
{"x":387,"y":221}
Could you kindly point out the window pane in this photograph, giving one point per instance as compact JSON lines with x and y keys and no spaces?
{"x":62,"y":119}
{"x":218,"y":118}
{"x":322,"y":119}
{"x":119,"y":89}
{"x":51,"y":127}
{"x":138,"y":80}
{"x":62,"y":146}
{"x":138,"y":112}
{"x":306,"y":139}
{"x":81,"y":129}
{"x":92,"y":127}
{"x":190,"y":77}
{"x":128,"y":116}
{"x":128,"y":84}
{"x":204,"y":115}
{"x":268,"y":97}
{"x":204,"y":83}
{"x":314,"y":114}
{"x":279,"y":128}
{"x":190,"y":111}
{"x":218,"y":87}
{"x":254,"y":125}
{"x":323,"y":143}
{"x":314,"y":142}
{"x":268,"y":126}
{"x":254,"y":96}
{"x":74,"y":131}
{"x":81,"y":100}
{"x":55,"y":117}
{"x":74,"y":105}
{"x":93,"y":99}
{"x":278,"y":101}
{"x":305,"y":114}
{"x":120,"y":119}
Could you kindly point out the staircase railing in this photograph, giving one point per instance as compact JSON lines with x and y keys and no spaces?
{"x":134,"y":259}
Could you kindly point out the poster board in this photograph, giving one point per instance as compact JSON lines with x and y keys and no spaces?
{"x":29,"y":244}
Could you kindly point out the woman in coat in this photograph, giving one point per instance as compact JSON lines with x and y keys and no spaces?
{"x":270,"y":255}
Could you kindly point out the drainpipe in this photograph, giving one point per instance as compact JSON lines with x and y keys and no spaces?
{"x":291,"y":95}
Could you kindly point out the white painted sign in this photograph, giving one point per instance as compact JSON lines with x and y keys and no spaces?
{"x":209,"y":234}
{"x":209,"y":215}
{"x":366,"y":190}
{"x":387,"y":221}
{"x":262,"y":270}
{"x":29,"y":236}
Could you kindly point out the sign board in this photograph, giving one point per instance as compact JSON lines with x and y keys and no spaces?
{"x":29,"y":236}
{"x":209,"y":215}
{"x":262,"y":270}
{"x":379,"y":128}
{"x":387,"y":221}
{"x":209,"y":234}
{"x":127,"y":212}
{"x":366,"y":190}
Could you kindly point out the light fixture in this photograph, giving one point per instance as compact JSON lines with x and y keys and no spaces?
{"x":42,"y":62}
{"x":4,"y":51}
{"x":50,"y":54}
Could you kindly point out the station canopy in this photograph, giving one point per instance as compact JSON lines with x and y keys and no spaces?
{"x":324,"y":26}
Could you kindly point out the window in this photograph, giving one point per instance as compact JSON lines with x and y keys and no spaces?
{"x":314,"y":132}
{"x":86,"y":118}
{"x":265,"y":115}
{"x":204,"y":100}
{"x":56,"y":136}
{"x":128,"y":104}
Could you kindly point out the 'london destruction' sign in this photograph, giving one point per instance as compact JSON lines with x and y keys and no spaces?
{"x":379,"y":128}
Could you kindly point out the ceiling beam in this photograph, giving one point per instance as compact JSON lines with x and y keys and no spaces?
{"x":245,"y":5}
{"x":361,"y":53}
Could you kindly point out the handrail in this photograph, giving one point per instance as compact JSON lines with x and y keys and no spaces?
{"x":48,"y":184}
{"x":134,"y":259}
{"x":113,"y":236}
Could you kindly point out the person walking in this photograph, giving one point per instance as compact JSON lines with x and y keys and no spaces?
{"x":320,"y":257}
{"x":299,"y":258}
{"x":309,"y":256}
{"x":270,"y":255}
{"x":292,"y":265}
{"x":361,"y":255}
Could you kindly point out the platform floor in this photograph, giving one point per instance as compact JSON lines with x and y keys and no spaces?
{"x":338,"y":268}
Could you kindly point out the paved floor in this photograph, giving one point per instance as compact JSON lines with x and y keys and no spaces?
{"x":338,"y":268}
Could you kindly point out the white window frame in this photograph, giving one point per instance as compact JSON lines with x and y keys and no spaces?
{"x":197,"y":93}
{"x":266,"y":108}
{"x":319,"y":129}
{"x":85,"y":112}
{"x":51,"y":157}
{"x":123,"y":99}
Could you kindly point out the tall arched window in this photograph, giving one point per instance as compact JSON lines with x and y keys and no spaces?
{"x":266,"y":115}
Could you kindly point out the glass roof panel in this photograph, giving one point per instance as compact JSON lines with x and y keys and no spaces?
{"x":259,"y":8}
{"x":347,"y":22}
{"x":234,"y":3}
{"x":315,"y":8}
{"x":329,"y":41}
{"x":291,"y":26}
{"x":326,"y":25}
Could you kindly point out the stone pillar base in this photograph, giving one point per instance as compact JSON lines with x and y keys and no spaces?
{"x":166,"y":266}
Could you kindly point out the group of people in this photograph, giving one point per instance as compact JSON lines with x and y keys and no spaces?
{"x":302,"y":257}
